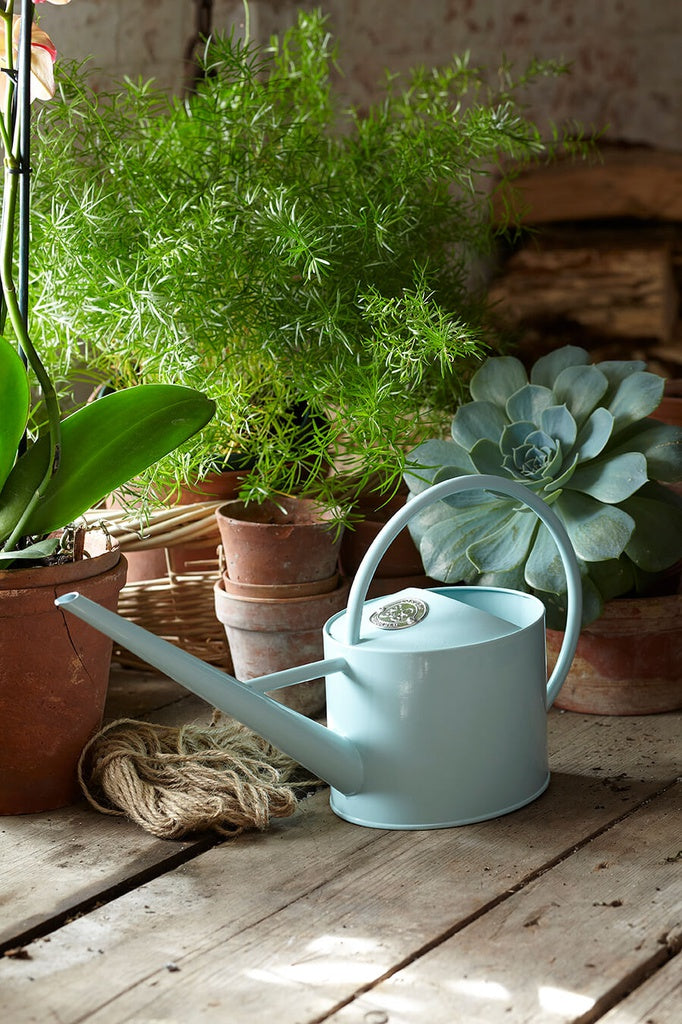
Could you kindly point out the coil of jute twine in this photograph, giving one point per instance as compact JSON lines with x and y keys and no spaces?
{"x":175,"y":781}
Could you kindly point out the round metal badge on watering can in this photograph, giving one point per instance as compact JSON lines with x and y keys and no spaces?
{"x":400,"y":614}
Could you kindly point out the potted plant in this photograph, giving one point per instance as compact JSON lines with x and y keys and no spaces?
{"x":321,"y":270}
{"x":52,"y":469}
{"x":581,"y":436}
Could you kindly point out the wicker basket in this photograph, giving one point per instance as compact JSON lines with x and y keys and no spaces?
{"x":179,"y":607}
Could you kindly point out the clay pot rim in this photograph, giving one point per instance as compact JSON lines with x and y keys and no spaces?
{"x":66,"y":572}
{"x":279,"y":591}
{"x":299,"y":512}
{"x":222,"y":595}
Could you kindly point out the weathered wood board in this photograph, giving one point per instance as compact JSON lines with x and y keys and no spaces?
{"x":295,"y":922}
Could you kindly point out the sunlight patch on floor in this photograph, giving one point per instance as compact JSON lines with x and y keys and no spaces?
{"x":480,"y":989}
{"x":563,"y":1002}
{"x":326,"y":959}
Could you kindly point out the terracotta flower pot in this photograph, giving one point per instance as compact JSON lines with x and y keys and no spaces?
{"x":401,"y":566}
{"x":152,"y":563}
{"x":628,"y":661}
{"x":270,"y":635}
{"x":53,"y":677}
{"x":267,"y":544}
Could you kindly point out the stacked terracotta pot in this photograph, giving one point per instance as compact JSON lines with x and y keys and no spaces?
{"x":279,"y":585}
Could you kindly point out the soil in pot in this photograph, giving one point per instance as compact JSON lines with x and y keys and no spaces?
{"x":53,"y":677}
{"x":628,"y":661}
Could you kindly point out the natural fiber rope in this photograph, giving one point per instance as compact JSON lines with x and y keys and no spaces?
{"x":177,"y":781}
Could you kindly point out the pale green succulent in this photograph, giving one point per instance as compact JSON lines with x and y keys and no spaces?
{"x":579,"y":436}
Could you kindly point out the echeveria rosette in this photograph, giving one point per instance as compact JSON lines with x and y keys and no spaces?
{"x":579,"y":435}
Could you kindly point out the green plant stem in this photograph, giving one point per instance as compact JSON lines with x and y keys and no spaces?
{"x":12,"y":171}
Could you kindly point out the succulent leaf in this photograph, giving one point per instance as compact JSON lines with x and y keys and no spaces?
{"x":507,"y":545}
{"x":498,"y":379}
{"x":597,"y":531}
{"x":659,"y":443}
{"x":580,"y":388}
{"x":594,"y":434}
{"x":547,"y":368}
{"x":528,"y":403}
{"x":657,"y":537}
{"x":579,"y":436}
{"x":557,"y":421}
{"x":636,"y":397}
{"x":476,"y":420}
{"x":611,"y":480}
{"x":487,"y":458}
{"x":544,"y":568}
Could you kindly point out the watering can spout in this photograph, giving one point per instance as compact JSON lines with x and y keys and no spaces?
{"x":330,"y":756}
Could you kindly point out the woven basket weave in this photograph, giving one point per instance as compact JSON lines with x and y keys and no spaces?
{"x":178,"y":607}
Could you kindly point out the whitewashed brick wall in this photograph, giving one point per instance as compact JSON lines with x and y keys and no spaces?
{"x":626,"y":53}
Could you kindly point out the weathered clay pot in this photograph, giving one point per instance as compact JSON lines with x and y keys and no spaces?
{"x":291,"y":541}
{"x":401,"y":566}
{"x":628,"y":662}
{"x":196,"y":557}
{"x":53,"y":677}
{"x":153,"y":563}
{"x":270,"y":635}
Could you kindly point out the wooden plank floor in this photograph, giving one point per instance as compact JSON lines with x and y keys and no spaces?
{"x":568,"y":910}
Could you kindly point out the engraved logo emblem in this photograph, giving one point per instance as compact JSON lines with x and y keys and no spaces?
{"x":400,"y":614}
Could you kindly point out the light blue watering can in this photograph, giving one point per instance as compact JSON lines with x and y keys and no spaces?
{"x":436,"y":699}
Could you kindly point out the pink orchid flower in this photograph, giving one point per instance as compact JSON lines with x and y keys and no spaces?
{"x":43,"y":53}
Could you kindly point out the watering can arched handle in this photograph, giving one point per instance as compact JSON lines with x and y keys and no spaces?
{"x":484,"y":482}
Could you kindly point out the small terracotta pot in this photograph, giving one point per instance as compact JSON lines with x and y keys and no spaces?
{"x":628,"y":661}
{"x":53,"y":677}
{"x":267,"y":544}
{"x":225,"y":486}
{"x":268,"y":636}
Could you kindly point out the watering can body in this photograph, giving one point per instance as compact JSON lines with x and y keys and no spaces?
{"x":436,"y":699}
{"x":447,"y":735}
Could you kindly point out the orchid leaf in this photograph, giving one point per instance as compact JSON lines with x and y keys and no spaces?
{"x":41,"y":549}
{"x":104,"y":445}
{"x":15,"y":399}
{"x":498,"y":379}
{"x":611,"y":480}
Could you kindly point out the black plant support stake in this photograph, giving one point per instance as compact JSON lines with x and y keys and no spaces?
{"x":24,"y":113}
